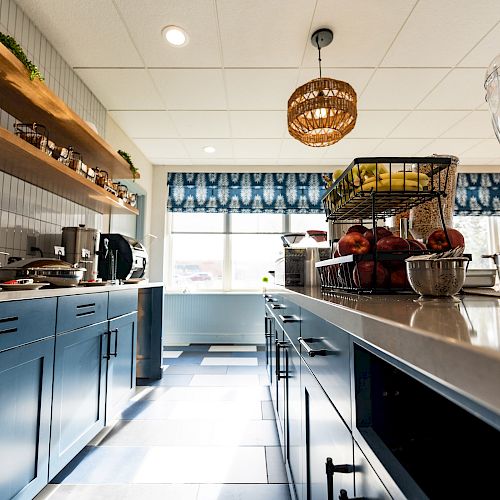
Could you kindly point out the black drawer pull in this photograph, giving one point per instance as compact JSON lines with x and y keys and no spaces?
{"x":9,"y":318}
{"x":310,"y":351}
{"x":85,"y":305}
{"x":278,"y":306}
{"x":289,"y":319}
{"x":8,"y":330}
{"x":87,"y":313}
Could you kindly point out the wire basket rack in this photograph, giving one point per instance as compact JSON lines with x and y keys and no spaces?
{"x":36,"y":134}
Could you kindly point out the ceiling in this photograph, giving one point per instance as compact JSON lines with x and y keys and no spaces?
{"x":417,"y":66}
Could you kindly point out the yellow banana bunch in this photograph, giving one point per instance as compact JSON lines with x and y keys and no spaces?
{"x":421,"y":178}
{"x":393,"y":185}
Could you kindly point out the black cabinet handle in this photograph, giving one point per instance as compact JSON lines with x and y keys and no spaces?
{"x":289,"y":319}
{"x":278,"y":306}
{"x":330,"y":471}
{"x":271,"y":299}
{"x":268,"y":335}
{"x":108,"y":346}
{"x":115,"y":331}
{"x":343,"y":496}
{"x":280,"y":344}
{"x":310,"y":351}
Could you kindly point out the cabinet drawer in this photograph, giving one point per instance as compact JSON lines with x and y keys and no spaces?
{"x":331,"y":366}
{"x":122,"y":302}
{"x":24,"y":321}
{"x":288,"y":316}
{"x":77,"y":311}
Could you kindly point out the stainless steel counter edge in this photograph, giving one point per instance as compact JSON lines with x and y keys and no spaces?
{"x":60,"y":292}
{"x":470,"y":370}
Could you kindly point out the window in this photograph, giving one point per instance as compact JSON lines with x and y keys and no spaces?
{"x":229,"y":251}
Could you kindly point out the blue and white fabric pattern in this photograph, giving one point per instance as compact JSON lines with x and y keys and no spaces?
{"x":478,"y":194}
{"x":246,"y":192}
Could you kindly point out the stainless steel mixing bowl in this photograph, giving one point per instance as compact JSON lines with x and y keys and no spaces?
{"x":437,"y":278}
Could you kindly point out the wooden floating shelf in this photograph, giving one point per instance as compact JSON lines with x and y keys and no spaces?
{"x":32,"y":101}
{"x":23,"y":160}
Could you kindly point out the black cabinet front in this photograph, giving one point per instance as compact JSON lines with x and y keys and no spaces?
{"x":25,"y":393}
{"x":78,"y":407}
{"x":329,"y":445}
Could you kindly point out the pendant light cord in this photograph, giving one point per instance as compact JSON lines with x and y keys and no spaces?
{"x":319,"y":54}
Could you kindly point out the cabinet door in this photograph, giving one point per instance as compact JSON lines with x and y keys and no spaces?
{"x":295,"y":449}
{"x":79,"y":392}
{"x":121,"y":366}
{"x":26,"y":394}
{"x":326,"y":437}
{"x":368,"y":485}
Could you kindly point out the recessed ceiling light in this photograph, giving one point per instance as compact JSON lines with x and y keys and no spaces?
{"x":175,"y":36}
{"x":209,"y":149}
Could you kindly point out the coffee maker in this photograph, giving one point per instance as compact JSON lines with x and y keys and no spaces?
{"x":81,"y":246}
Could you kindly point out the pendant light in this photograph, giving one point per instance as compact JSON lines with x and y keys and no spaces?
{"x":492,"y":87}
{"x":321,"y":112}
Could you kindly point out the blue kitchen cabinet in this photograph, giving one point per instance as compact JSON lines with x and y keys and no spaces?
{"x":121,"y":373}
{"x":26,"y":394}
{"x":79,"y":396}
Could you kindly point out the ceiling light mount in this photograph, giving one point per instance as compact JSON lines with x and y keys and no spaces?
{"x":322,"y":111}
{"x":175,"y":35}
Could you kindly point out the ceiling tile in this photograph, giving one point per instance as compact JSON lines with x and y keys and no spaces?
{"x":256,"y":148}
{"x":461,"y":89}
{"x":170,"y":161}
{"x":293,"y":148}
{"x":488,"y":148}
{"x":363,"y":31}
{"x":484,"y":52}
{"x":427,"y":123}
{"x":194,"y":124}
{"x":351,"y":148}
{"x":161,"y":148}
{"x":145,"y":21}
{"x":88,"y":33}
{"x":145,"y":124}
{"x":376,"y":124}
{"x":448,"y":147}
{"x":191,"y":89}
{"x":399,"y":147}
{"x":475,"y":125}
{"x":356,"y":77}
{"x":255,"y":89}
{"x":477,"y":161}
{"x":223,"y":148}
{"x":122,"y":89}
{"x":252,"y":37}
{"x":258,"y":124}
{"x":441,"y":33}
{"x":257,"y":161}
{"x":401,"y":88}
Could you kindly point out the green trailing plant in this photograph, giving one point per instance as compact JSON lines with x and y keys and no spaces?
{"x":16,"y":49}
{"x":126,"y":157}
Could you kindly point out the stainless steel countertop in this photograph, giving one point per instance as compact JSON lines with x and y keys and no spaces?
{"x":60,"y":292}
{"x":455,"y":341}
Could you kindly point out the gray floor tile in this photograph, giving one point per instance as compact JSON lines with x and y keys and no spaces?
{"x":119,"y":492}
{"x":267,"y":410}
{"x":243,"y":492}
{"x":255,"y":393}
{"x":232,"y":348}
{"x":173,"y":380}
{"x":193,"y":433}
{"x":228,"y":361}
{"x":185,"y":369}
{"x":224,"y":380}
{"x":193,"y":410}
{"x":247,"y":370}
{"x":275,"y":465}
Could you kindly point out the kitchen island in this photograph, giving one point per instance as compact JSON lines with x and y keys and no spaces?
{"x":401,"y":391}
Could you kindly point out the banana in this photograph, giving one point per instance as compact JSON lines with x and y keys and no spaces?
{"x":413,"y":176}
{"x":392,"y":184}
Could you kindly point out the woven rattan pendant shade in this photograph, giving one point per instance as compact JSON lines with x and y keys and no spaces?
{"x":322,"y":111}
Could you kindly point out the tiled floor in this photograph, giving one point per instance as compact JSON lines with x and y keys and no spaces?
{"x":206,"y":431}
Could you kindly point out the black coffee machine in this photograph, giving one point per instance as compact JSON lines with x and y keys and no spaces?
{"x":121,"y":258}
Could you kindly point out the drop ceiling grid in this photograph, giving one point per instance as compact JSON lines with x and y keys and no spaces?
{"x":383,"y":54}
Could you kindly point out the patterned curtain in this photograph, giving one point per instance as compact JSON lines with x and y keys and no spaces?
{"x":246,"y":193}
{"x":478,"y":194}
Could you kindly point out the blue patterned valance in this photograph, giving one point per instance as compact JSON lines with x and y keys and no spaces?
{"x":262,"y":192}
{"x":478,"y":194}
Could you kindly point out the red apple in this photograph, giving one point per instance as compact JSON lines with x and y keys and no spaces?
{"x":437,"y":240}
{"x":399,"y":279}
{"x":382,"y":232}
{"x":416,"y":245}
{"x":353,"y":243}
{"x":392,"y":244}
{"x":363,"y":274}
{"x":357,"y":228}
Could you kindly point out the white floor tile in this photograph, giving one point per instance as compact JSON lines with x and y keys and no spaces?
{"x":233,"y":348}
{"x":224,"y":380}
{"x":211,"y":394}
{"x":172,"y":354}
{"x":243,"y":492}
{"x":203,"y":465}
{"x":229,"y":362}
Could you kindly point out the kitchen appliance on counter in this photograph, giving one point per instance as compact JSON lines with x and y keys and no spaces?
{"x":52,"y":271}
{"x":82,"y":246}
{"x":121,"y":258}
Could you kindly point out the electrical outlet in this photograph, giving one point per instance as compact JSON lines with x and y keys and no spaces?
{"x":59,"y":251}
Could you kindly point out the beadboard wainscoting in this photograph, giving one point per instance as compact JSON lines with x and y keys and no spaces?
{"x":213,"y":318}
